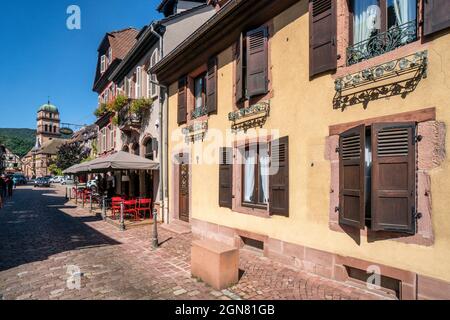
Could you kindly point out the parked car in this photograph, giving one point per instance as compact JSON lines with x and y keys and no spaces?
{"x":67,"y":181}
{"x":19,"y":180}
{"x":42,"y":183}
{"x":58,"y":179}
{"x":91,"y":184}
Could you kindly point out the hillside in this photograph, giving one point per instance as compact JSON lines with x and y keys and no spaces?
{"x":19,"y":141}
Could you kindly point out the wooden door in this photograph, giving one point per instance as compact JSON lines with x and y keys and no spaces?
{"x":184,"y":193}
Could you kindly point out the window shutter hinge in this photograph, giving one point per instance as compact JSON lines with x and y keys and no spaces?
{"x":338,"y":150}
{"x":418,"y":138}
{"x":337,"y":209}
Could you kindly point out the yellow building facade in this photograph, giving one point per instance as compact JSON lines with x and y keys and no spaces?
{"x":313,"y":111}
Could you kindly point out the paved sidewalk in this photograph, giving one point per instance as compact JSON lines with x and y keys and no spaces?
{"x":41,"y":236}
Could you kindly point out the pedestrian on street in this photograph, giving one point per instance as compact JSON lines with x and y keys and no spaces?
{"x":10,"y":186}
{"x":2,"y":187}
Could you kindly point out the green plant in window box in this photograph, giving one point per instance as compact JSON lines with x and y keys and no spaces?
{"x":120,"y":102}
{"x":101,"y":110}
{"x":139,"y":106}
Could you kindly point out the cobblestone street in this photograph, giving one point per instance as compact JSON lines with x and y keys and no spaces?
{"x":41,"y":235}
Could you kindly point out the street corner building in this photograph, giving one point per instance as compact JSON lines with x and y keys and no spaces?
{"x":352,"y":118}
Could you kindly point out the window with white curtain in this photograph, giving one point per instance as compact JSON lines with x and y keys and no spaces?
{"x":400,"y":12}
{"x":373,"y":16}
{"x":255,"y":174}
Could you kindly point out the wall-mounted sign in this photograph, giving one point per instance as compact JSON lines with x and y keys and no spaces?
{"x":66,"y":131}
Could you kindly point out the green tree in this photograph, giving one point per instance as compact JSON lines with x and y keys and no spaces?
{"x":54,"y":170}
{"x":70,"y":154}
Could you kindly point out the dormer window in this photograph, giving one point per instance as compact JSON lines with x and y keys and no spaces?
{"x":103,"y":64}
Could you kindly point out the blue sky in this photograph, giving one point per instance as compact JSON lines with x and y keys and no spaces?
{"x":40,"y":57}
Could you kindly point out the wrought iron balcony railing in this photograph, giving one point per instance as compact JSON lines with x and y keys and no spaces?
{"x":383,"y":42}
{"x":199,"y":112}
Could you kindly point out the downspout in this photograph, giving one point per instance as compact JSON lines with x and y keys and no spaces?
{"x":163,"y":143}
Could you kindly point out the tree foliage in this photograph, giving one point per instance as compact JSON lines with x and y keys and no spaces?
{"x":70,"y":154}
{"x":18,"y":141}
{"x":55,"y":170}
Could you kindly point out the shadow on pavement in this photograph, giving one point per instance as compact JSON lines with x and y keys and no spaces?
{"x":33,"y":227}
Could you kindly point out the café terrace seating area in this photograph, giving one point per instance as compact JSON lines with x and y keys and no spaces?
{"x":123,"y":210}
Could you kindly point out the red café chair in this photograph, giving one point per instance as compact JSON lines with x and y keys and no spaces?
{"x":144,"y":206}
{"x":130,"y":208}
{"x":86,"y":194}
{"x":115,"y":206}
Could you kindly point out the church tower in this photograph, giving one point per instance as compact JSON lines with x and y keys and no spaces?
{"x":48,"y":124}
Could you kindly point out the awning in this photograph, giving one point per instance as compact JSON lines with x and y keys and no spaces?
{"x":72,"y":169}
{"x":117,"y":161}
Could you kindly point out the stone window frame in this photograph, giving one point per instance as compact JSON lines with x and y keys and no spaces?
{"x":430,"y":155}
{"x":190,"y":105}
{"x":343,"y":41}
{"x":237,"y":203}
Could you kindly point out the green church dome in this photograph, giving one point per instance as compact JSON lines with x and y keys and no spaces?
{"x":49,"y":108}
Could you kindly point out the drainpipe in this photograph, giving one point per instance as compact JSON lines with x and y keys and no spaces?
{"x":163,"y":133}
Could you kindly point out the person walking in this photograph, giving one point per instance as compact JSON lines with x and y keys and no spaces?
{"x":10,"y":187}
{"x":2,"y":187}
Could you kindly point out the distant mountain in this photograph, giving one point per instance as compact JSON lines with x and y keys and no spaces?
{"x":19,"y":141}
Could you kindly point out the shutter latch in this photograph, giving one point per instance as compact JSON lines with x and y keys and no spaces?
{"x":338,"y":150}
{"x":337,"y":209}
{"x":416,"y":215}
{"x":418,"y":138}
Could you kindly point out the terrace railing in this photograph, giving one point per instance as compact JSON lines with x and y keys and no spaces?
{"x":383,"y":42}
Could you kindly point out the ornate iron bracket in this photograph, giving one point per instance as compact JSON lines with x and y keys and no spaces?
{"x":406,"y":72}
{"x":251,"y":117}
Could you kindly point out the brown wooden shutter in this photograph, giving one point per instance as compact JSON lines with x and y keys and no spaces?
{"x":257,"y":61}
{"x":322,"y":45}
{"x":352,"y":177}
{"x":436,"y":16}
{"x":393,"y":177}
{"x":226,"y":178}
{"x":239,"y":85}
{"x":211,"y":86}
{"x":279,"y":179}
{"x":182,"y":100}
